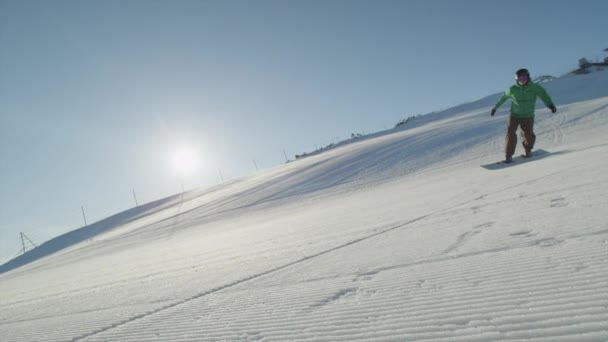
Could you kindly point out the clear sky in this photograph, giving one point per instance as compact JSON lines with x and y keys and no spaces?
{"x":96,"y":97}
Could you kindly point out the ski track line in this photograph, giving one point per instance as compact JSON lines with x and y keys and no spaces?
{"x":481,"y":283}
{"x":523,"y":287}
{"x":397,"y":319}
{"x":469,"y":295}
{"x":391,"y":228}
{"x":355,"y":328}
{"x":461,"y":240}
{"x":209,"y":257}
{"x":544,"y":242}
{"x":505,"y":310}
{"x":276,"y":269}
{"x":475,"y":291}
{"x":471,"y":292}
{"x":243,"y":280}
{"x":584,"y":234}
{"x":580,"y":297}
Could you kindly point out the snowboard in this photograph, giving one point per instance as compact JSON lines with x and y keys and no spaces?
{"x":536,"y":155}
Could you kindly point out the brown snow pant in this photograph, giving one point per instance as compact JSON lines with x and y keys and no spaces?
{"x":527,"y":134}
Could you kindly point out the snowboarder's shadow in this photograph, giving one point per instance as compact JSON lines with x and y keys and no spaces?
{"x":547,"y":154}
{"x":538,"y":155}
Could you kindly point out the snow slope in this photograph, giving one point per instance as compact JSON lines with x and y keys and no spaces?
{"x":399,"y":236}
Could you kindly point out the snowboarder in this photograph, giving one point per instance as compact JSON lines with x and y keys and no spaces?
{"x":523,"y":101}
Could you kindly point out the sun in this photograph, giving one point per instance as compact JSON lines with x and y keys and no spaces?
{"x":185,"y":159}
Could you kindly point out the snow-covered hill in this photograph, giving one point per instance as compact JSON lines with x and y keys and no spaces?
{"x":397,"y":236}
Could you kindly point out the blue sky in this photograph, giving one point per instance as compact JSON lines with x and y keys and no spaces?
{"x":95,"y":96}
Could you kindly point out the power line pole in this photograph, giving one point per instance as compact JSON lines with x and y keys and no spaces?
{"x":84,"y":217}
{"x":285,"y":154}
{"x":22,"y":244}
{"x":23,"y":238}
{"x":28,"y":239}
{"x":256,"y":165}
{"x":135,"y":198}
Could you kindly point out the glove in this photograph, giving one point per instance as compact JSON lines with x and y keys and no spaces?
{"x":553,"y":109}
{"x":494,"y":111}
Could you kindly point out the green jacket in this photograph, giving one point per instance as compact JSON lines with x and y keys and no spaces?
{"x":523,"y":99}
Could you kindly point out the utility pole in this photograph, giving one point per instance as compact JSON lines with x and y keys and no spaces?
{"x":256,"y":165}
{"x":22,"y":243}
{"x":28,"y":239}
{"x":23,"y":238}
{"x":135,"y":198}
{"x":285,"y":154}
{"x":221,"y":176}
{"x":84,"y":217}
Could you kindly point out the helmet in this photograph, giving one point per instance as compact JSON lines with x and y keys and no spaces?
{"x":522,"y":72}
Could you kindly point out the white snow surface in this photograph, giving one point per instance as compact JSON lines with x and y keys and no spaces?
{"x":398,"y":236}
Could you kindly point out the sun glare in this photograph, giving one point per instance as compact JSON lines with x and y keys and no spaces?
{"x":185,"y":159}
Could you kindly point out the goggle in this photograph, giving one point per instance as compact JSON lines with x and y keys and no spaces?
{"x":522,"y":78}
